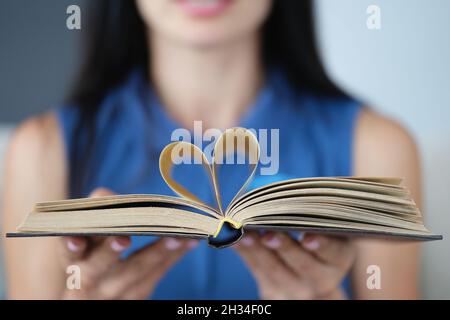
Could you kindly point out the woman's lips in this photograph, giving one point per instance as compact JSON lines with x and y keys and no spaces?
{"x":204,"y":8}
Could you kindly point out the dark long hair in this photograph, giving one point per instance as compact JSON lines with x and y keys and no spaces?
{"x":116,"y":43}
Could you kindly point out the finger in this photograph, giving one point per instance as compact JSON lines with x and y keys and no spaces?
{"x":160,"y":254}
{"x":138,"y":275}
{"x":291,"y":252}
{"x":265,"y":265}
{"x":331,"y":250}
{"x":318,"y":276}
{"x":73,"y":248}
{"x":103,"y":255}
{"x":101,"y":192}
{"x":106,"y":251}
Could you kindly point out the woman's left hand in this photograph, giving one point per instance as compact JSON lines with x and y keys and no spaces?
{"x":284,"y":268}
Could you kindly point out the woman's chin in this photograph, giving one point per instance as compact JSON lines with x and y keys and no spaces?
{"x":204,"y":23}
{"x":204,"y":38}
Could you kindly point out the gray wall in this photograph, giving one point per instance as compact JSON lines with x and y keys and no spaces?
{"x":37,"y":56}
{"x":402,"y":70}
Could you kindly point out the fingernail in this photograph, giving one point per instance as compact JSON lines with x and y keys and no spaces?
{"x":172,"y":244}
{"x":117,"y":246}
{"x":247,"y":241}
{"x":272,"y":242}
{"x":192,"y":244}
{"x":72,"y":246}
{"x":311,"y":245}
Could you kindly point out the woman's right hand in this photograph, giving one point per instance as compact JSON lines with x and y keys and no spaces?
{"x":105,"y":275}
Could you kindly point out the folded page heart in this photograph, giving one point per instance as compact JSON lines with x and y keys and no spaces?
{"x":238,"y":142}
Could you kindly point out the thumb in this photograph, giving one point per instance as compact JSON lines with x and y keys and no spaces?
{"x":101,"y":192}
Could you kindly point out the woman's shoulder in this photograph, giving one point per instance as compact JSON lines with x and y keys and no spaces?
{"x":36,"y":134}
{"x":36,"y":144}
{"x":382,"y":145}
{"x":373,"y":123}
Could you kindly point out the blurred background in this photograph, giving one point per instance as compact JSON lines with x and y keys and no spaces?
{"x":401,"y":69}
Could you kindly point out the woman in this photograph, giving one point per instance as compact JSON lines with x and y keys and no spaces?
{"x":153,"y":66}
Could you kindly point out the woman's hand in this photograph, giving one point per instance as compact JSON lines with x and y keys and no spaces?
{"x":104,"y":275}
{"x":284,"y":268}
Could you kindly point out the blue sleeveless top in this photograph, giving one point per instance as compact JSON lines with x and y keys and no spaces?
{"x":315,"y":139}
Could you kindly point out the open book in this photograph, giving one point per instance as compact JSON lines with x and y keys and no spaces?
{"x":340,"y":206}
